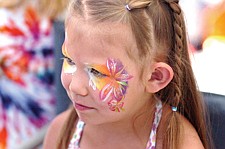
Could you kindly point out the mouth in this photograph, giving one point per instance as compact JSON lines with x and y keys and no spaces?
{"x":81,"y":107}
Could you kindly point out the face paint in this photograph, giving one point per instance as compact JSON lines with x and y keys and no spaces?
{"x":68,"y":65}
{"x":115,"y":105}
{"x":111,"y":80}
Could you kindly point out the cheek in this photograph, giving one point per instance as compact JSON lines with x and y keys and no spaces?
{"x":95,"y":95}
{"x":65,"y":79}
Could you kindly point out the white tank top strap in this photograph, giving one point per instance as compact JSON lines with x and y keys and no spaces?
{"x":152,"y":138}
{"x":75,"y":141}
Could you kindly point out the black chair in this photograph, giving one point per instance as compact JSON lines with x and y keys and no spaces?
{"x":216,"y":107}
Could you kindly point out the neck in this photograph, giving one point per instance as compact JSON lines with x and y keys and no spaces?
{"x":135,"y":130}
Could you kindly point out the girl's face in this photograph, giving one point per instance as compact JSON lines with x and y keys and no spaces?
{"x":101,"y":80}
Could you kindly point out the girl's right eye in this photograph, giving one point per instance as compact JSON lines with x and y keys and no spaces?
{"x":68,"y":65}
{"x":68,"y":60}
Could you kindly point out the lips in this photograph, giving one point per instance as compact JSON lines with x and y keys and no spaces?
{"x":81,"y":107}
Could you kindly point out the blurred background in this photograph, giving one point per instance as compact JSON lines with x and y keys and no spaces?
{"x":31,"y":94}
{"x":206,"y":29}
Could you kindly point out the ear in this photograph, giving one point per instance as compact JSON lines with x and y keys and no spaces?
{"x":159,"y":77}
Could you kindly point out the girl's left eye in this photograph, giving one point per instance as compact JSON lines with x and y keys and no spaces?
{"x":96,"y":73}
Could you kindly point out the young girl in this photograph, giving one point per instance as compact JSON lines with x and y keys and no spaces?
{"x":128,"y":74}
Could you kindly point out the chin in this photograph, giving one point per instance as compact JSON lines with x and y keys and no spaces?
{"x":90,"y":121}
{"x":87,"y":118}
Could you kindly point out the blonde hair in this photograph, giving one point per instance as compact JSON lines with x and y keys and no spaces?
{"x":52,"y":8}
{"x":49,"y":8}
{"x":11,"y":4}
{"x":158,"y":27}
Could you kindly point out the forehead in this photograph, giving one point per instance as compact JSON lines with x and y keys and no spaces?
{"x":98,"y":39}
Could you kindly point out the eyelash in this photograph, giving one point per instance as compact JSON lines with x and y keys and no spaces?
{"x":96,"y":73}
{"x":68,"y":60}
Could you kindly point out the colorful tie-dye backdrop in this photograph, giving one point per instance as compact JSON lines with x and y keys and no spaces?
{"x":26,"y":76}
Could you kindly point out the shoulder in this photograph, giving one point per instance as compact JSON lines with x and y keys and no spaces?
{"x":54,"y":130}
{"x":189,"y":137}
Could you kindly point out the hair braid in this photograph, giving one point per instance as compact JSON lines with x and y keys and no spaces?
{"x":185,"y":89}
{"x":177,"y":51}
{"x":175,"y":60}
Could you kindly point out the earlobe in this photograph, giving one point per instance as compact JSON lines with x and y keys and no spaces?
{"x":159,"y":77}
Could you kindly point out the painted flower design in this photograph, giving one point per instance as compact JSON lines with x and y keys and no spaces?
{"x":115,"y":105}
{"x":113,"y":84}
{"x":119,"y":79}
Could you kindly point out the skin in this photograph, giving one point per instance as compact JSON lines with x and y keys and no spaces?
{"x":93,"y":44}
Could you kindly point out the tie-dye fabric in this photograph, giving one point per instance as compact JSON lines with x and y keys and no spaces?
{"x":26,"y":76}
{"x":74,"y":143}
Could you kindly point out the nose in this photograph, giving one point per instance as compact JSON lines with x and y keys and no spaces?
{"x":79,"y":84}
